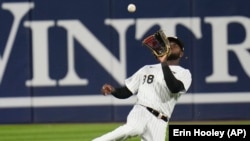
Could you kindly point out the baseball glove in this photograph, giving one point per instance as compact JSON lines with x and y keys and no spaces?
{"x":158,"y":43}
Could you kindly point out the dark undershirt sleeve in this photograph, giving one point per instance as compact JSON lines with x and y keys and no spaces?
{"x":173,"y":84}
{"x":122,"y":93}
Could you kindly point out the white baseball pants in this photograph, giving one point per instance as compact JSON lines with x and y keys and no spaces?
{"x":140,"y":122}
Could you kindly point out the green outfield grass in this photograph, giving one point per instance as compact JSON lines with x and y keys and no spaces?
{"x":73,"y":132}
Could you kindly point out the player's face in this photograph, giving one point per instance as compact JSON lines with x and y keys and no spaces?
{"x":176,"y":51}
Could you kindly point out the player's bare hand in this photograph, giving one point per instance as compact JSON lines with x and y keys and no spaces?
{"x":107,"y":89}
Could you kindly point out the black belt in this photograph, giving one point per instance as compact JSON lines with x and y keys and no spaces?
{"x":157,"y":114}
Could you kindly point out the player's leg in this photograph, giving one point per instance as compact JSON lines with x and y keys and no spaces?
{"x":134,"y":126}
{"x":155,"y":130}
{"x":119,"y":134}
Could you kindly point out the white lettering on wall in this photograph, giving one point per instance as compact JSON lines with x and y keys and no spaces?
{"x":116,"y":66}
{"x":18,"y":10}
{"x":221,"y":48}
{"x":40,"y":53}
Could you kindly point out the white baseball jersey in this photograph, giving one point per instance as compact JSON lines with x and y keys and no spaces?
{"x":151,"y":89}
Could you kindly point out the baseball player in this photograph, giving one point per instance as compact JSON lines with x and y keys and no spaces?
{"x":157,"y":87}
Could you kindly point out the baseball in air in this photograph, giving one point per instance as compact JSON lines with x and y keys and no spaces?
{"x":131,"y":8}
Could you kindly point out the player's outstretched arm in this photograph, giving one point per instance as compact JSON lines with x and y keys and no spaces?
{"x":121,"y":93}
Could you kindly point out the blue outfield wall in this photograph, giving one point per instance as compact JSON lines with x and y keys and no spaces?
{"x":56,"y":55}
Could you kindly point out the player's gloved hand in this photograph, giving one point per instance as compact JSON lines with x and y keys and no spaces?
{"x":107,"y":89}
{"x":158,"y":43}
